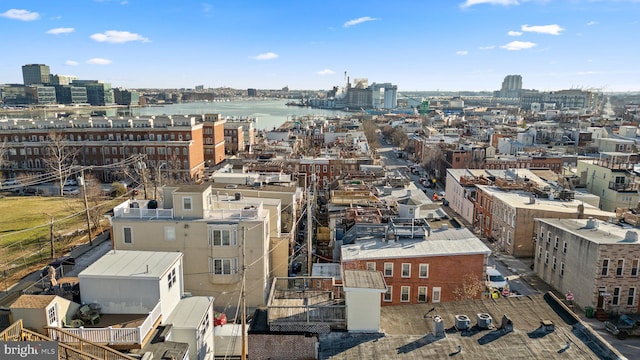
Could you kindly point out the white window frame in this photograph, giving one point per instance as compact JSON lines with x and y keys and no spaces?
{"x":232,"y":262}
{"x":615,"y":296}
{"x":436,"y":292}
{"x":554,"y":264}
{"x":124,"y":235}
{"x":407,"y":267}
{"x":171,"y":278}
{"x":422,"y":294}
{"x":231,"y":239}
{"x":52,"y":314}
{"x":620,"y":268}
{"x":604,"y":271}
{"x":546,"y":258}
{"x":388,"y":296}
{"x":371,"y":265}
{"x":564,"y":247}
{"x":388,"y":267}
{"x":187,"y":203}
{"x":631,"y":295}
{"x":405,"y":293}
{"x":634,"y":267}
{"x":561,"y":269}
{"x":557,"y":242}
{"x":424,"y":271}
{"x":170,"y":233}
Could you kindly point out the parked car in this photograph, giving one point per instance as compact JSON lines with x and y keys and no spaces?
{"x":70,"y":191}
{"x":625,"y":326}
{"x":70,"y":182}
{"x":495,"y":279}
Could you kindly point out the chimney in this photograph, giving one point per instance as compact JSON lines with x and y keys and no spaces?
{"x":438,"y":327}
{"x":581,"y":211}
{"x":507,"y":324}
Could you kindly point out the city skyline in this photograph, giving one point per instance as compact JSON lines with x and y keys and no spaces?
{"x":461,"y":45}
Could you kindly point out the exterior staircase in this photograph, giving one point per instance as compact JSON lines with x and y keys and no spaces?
{"x":72,"y":348}
{"x":601,"y":315}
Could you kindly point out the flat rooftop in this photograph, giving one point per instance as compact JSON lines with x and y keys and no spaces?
{"x":603,"y":233}
{"x":407,"y":333}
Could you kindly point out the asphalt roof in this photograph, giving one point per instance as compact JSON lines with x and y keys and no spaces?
{"x":407,"y":333}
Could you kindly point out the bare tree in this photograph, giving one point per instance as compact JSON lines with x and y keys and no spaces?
{"x":471,"y":288}
{"x":3,"y":157}
{"x":59,"y":158}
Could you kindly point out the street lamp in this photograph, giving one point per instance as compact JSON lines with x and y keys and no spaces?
{"x":155,"y":192}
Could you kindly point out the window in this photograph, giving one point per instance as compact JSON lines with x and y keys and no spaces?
{"x":615,"y":299}
{"x":406,"y":270}
{"x":422,"y":294}
{"x":548,"y":236}
{"x":620,"y":267}
{"x":631,"y":299}
{"x":539,"y":252}
{"x":605,"y":267}
{"x":435,"y":295}
{"x":546,"y":257}
{"x":204,"y":325}
{"x":555,"y":244}
{"x":127,"y":235}
{"x":52,"y":314}
{"x":371,"y":266}
{"x":387,"y":296}
{"x":553,"y":265}
{"x":424,"y":271}
{"x":169,"y":233}
{"x":186,"y":203}
{"x":561,"y":269}
{"x":221,"y":237}
{"x":404,"y":293}
{"x":171,"y":278}
{"x":564,"y":247}
{"x":223,"y":266}
{"x":634,"y":267}
{"x":388,"y":269}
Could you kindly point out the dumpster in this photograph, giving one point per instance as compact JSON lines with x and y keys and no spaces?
{"x":588,"y":310}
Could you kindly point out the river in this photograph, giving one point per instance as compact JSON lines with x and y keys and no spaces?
{"x":269,"y":113}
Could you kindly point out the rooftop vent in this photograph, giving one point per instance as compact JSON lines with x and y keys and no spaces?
{"x":631,"y":236}
{"x":591,"y":223}
{"x":444,"y":227}
{"x":438,"y":327}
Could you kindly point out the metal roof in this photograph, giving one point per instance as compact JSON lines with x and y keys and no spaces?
{"x":189,"y":312}
{"x":131,"y":264}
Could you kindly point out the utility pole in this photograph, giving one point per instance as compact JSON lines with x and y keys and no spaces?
{"x":310,"y":224}
{"x":86,"y":205}
{"x":52,"y":252}
{"x":243,"y":295}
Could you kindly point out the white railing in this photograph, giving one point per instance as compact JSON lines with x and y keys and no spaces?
{"x":147,"y":325}
{"x":114,"y":336}
{"x":143,"y":213}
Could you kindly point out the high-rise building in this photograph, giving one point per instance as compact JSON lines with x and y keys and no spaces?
{"x":511,"y":86}
{"x":56,"y":79}
{"x":33,"y":74}
{"x":98,"y":92}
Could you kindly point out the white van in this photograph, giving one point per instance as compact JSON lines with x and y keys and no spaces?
{"x":495,"y":279}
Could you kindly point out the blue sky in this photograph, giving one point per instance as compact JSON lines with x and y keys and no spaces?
{"x":448,"y":45}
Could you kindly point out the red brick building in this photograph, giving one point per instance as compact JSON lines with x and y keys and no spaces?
{"x":421,"y":271}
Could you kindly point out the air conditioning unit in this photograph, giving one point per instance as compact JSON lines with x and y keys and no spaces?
{"x":484,"y":321}
{"x":462,"y":322}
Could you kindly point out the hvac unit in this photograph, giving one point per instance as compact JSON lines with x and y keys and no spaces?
{"x":484,"y":321}
{"x":462,"y":322}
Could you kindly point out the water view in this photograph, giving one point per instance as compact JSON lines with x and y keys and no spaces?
{"x":270,"y":113}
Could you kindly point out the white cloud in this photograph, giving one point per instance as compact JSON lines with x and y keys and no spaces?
{"x":21,"y":14}
{"x":58,"y":31}
{"x":358,"y":21}
{"x":266,"y":56}
{"x":99,"y":61}
{"x":326,"y":72}
{"x":490,"y":47}
{"x":591,"y":23}
{"x":118,"y":37}
{"x":71,"y":63}
{"x":553,"y":29}
{"x":514,"y":33}
{"x":462,"y":52}
{"x":518,"y":45}
{"x":469,"y":3}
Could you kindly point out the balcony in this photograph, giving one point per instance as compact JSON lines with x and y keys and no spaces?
{"x":122,"y":330}
{"x":139,"y":209}
{"x":623,"y":187}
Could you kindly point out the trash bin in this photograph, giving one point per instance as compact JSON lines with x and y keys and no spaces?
{"x":588,"y":310}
